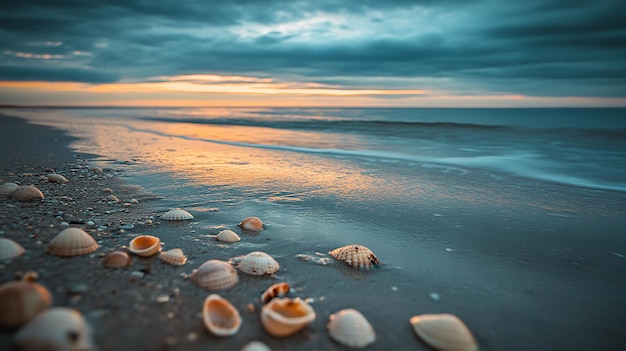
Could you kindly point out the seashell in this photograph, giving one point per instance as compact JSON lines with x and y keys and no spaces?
{"x":72,"y":242}
{"x":276,"y":290}
{"x":252,"y":224}
{"x":350,"y":328}
{"x":9,"y":249}
{"x":145,"y":245}
{"x":357,"y":256}
{"x":220,"y":317}
{"x":215,"y":275}
{"x":444,"y":332}
{"x":258,"y":263}
{"x":21,"y":301}
{"x":116,"y":259}
{"x":227,"y":236}
{"x":8,"y":188}
{"x":285,"y":316}
{"x":26,"y":193}
{"x":256,"y":346}
{"x":57,"y":178}
{"x":58,"y":328}
{"x":177,"y":214}
{"x":174,"y":257}
{"x":112,"y":198}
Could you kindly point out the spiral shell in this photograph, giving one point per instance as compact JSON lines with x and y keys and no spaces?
{"x":276,"y":290}
{"x":72,"y":242}
{"x":357,"y":256}
{"x":350,"y":328}
{"x":116,"y":259}
{"x":176,"y":214}
{"x":220,"y":317}
{"x":258,"y":263}
{"x":227,"y":236}
{"x":57,"y":178}
{"x":285,"y":316}
{"x":7,"y":188}
{"x":9,"y":249}
{"x":58,"y":328}
{"x":444,"y":332}
{"x":174,"y":257}
{"x":145,"y":245}
{"x":26,"y":193}
{"x":215,"y":275}
{"x":21,"y":301}
{"x":253,"y":224}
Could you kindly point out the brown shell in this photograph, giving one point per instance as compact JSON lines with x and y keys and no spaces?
{"x":276,"y":290}
{"x":116,"y":259}
{"x":72,"y":242}
{"x":145,"y":245}
{"x":20,"y":302}
{"x":357,"y":256}
{"x":57,"y":178}
{"x":285,"y":316}
{"x":444,"y":332}
{"x":9,"y":249}
{"x":220,"y":317}
{"x":258,"y":263}
{"x":26,"y":193}
{"x":253,"y":224}
{"x":215,"y":275}
{"x":349,"y":327}
{"x":174,"y":257}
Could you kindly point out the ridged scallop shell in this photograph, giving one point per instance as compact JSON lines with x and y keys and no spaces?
{"x":258,"y":263}
{"x":174,"y":257}
{"x":9,"y":249}
{"x":253,"y":224}
{"x":58,"y":328}
{"x":7,"y":188}
{"x":26,"y":193}
{"x":220,"y":317}
{"x":116,"y":259}
{"x":145,"y":245}
{"x":227,"y":236}
{"x":444,"y":332}
{"x":357,"y":256}
{"x":256,"y":346}
{"x":57,"y":178}
{"x":285,"y":316}
{"x":176,"y":214}
{"x":276,"y":290}
{"x":215,"y":275}
{"x":72,"y":242}
{"x":21,"y":301}
{"x":350,"y":328}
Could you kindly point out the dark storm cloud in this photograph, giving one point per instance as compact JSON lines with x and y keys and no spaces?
{"x":534,"y":47}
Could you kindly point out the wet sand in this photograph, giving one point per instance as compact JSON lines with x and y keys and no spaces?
{"x":512,"y":295}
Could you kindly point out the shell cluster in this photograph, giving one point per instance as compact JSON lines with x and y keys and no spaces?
{"x":357,"y":256}
{"x":72,"y":242}
{"x":215,"y":275}
{"x":258,"y":263}
{"x":176,"y":214}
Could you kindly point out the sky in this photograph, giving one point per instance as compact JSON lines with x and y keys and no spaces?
{"x":391,"y":53}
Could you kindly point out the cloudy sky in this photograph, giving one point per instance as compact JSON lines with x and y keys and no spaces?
{"x":314,"y":53}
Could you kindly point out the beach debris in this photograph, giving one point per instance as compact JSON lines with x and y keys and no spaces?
{"x":26,"y":193}
{"x":116,"y":259}
{"x":284,"y":316}
{"x":227,"y":236}
{"x":324,"y":261}
{"x":7,"y":188}
{"x":58,"y":328}
{"x":72,"y":242}
{"x":258,"y":263}
{"x":9,"y":249}
{"x":57,"y":178}
{"x":21,"y":301}
{"x":253,"y":224}
{"x":215,"y":275}
{"x":145,"y":245}
{"x":444,"y":332}
{"x":174,"y":257}
{"x":220,"y":317}
{"x":276,"y":290}
{"x":350,"y":328}
{"x":176,"y":214}
{"x":357,"y":256}
{"x":256,"y":346}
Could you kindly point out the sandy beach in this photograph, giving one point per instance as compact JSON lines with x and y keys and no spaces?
{"x":562,"y":290}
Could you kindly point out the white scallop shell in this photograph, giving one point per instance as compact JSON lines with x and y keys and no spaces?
{"x":174,"y":257}
{"x":253,"y":224}
{"x":227,"y":236}
{"x":57,"y":328}
{"x":72,"y":242}
{"x":145,"y":245}
{"x":215,"y":275}
{"x":444,"y":332}
{"x":220,"y":317}
{"x":8,"y":188}
{"x":26,"y":193}
{"x":350,"y":328}
{"x":9,"y":249}
{"x":258,"y":263}
{"x":176,"y":214}
{"x":116,"y":259}
{"x":57,"y":178}
{"x":21,"y":301}
{"x":357,"y":256}
{"x":285,"y":316}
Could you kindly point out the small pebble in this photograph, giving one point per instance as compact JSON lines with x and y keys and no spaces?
{"x":162,"y":298}
{"x":90,"y":223}
{"x":137,"y":275}
{"x":435,"y":296}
